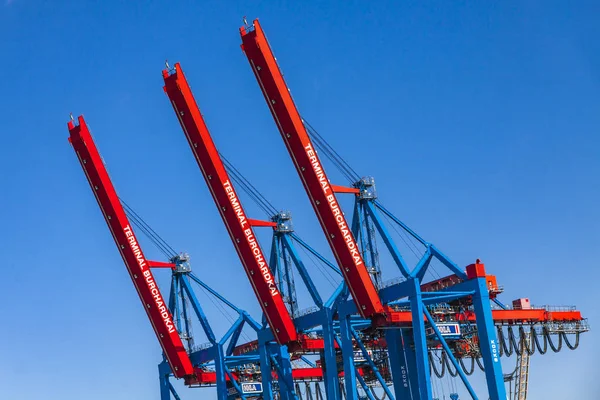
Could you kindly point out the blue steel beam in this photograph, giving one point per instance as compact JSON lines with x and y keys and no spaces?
{"x":289,"y":282}
{"x":198,"y":309}
{"x":235,"y":335}
{"x":488,"y":341}
{"x":316,"y":254}
{"x":399,"y":364}
{"x":172,"y":298}
{"x":204,"y":355}
{"x":357,"y":220}
{"x":284,"y":374}
{"x":236,"y":385}
{"x":312,"y":290}
{"x":435,"y":298}
{"x":233,"y":361}
{"x":348,"y":356}
{"x":220,"y":371}
{"x":337,"y":296}
{"x":330,"y":375}
{"x":411,"y":361}
{"x":420,"y":341}
{"x":402,"y":224}
{"x":365,"y":387}
{"x":164,"y":370}
{"x":173,"y":392}
{"x":373,"y":207}
{"x":387,"y":239}
{"x":448,"y":351}
{"x":372,"y":245}
{"x":419,"y":271}
{"x":448,"y":263}
{"x":265,"y":369}
{"x":184,"y":311}
{"x":214,"y":293}
{"x":275,"y":262}
{"x":371,"y":363}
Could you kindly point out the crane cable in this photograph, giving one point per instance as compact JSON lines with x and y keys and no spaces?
{"x":139,"y":222}
{"x":443,"y":365}
{"x":247,"y":187}
{"x":349,"y":173}
{"x":169,"y":252}
{"x":512,"y":344}
{"x":412,"y":246}
{"x":269,"y":209}
{"x":383,"y":397}
{"x":329,"y":152}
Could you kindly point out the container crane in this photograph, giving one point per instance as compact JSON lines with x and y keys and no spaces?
{"x":308,"y":165}
{"x":229,"y":206}
{"x":341,"y":238}
{"x":473,"y":288}
{"x":137,"y":264}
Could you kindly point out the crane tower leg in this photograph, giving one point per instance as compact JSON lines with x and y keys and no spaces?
{"x":163,"y":372}
{"x":332,"y":384}
{"x":348,"y":357}
{"x":398,"y":363}
{"x":411,"y":360}
{"x":220,"y":370}
{"x":286,"y":381}
{"x":422,"y":364}
{"x":488,"y":341}
{"x":265,"y":364}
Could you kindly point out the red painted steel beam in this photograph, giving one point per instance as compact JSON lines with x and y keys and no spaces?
{"x":313,"y":373}
{"x":344,"y":189}
{"x":501,"y":316}
{"x":160,"y":264}
{"x":311,"y":172}
{"x":135,"y":261}
{"x":451,"y":280}
{"x":229,"y":206}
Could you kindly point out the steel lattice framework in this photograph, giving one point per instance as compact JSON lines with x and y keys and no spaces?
{"x":366,"y":334}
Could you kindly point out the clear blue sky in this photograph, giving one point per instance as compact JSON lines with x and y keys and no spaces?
{"x":479,"y":122}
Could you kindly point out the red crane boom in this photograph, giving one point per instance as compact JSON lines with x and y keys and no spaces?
{"x":310,"y":169}
{"x":229,"y":206}
{"x":129,"y":247}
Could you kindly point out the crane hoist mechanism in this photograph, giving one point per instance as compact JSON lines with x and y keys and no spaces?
{"x":402,"y":338}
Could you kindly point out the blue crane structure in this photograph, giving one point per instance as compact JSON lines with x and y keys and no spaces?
{"x":322,"y":196}
{"x":396,"y":336}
